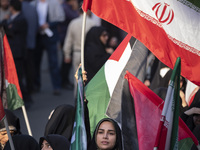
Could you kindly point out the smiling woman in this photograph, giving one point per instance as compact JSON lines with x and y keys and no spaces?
{"x":107,"y":136}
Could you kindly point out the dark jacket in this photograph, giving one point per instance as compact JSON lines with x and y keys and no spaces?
{"x":16,"y":31}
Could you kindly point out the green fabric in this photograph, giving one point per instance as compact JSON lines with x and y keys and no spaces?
{"x":175,"y":80}
{"x":185,"y":144}
{"x":79,"y":138}
{"x":14,"y":101}
{"x":195,"y":2}
{"x":98,"y":97}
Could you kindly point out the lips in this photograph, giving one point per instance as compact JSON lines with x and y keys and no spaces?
{"x":104,"y":142}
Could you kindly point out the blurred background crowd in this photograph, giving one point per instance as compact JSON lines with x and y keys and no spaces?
{"x":35,"y":26}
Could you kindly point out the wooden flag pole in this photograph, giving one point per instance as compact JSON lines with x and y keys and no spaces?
{"x":83,"y":40}
{"x":8,"y":133}
{"x":26,"y":120}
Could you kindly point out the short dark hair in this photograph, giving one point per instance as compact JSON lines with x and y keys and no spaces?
{"x":16,"y":4}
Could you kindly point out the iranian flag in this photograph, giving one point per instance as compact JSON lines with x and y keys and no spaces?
{"x":168,"y":28}
{"x":167,"y":135}
{"x":13,"y":97}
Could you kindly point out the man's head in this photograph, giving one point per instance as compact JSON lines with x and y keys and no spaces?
{"x":15,"y":5}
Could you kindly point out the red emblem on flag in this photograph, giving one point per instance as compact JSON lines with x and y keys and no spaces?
{"x":163,"y":12}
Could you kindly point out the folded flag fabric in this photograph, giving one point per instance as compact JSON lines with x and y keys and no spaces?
{"x":13,"y":93}
{"x":168,"y":28}
{"x":102,"y":86}
{"x":79,"y":136}
{"x":146,"y":109}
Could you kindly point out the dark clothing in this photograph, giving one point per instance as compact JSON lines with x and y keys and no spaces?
{"x":31,"y":17}
{"x":23,"y":142}
{"x":57,"y":142}
{"x":61,"y":121}
{"x":50,"y":44}
{"x":16,"y":31}
{"x":95,"y":52}
{"x":118,"y":144}
{"x":13,"y":122}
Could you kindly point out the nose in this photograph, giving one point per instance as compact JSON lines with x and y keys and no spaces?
{"x":105,"y":136}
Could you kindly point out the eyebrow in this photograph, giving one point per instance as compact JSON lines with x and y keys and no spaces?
{"x":108,"y":130}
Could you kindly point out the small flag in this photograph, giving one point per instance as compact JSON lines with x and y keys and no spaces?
{"x":13,"y":98}
{"x":79,"y":136}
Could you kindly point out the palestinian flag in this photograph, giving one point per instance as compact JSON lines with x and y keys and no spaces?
{"x":13,"y":98}
{"x":130,"y":55}
{"x":168,"y":28}
{"x":140,"y":117}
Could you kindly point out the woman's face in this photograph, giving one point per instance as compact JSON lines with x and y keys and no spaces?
{"x":104,"y":37}
{"x":45,"y":146}
{"x":4,"y":136}
{"x":106,"y":136}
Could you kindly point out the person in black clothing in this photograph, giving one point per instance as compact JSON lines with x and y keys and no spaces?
{"x":96,"y":53}
{"x":23,"y":142}
{"x":61,"y":121}
{"x":54,"y":142}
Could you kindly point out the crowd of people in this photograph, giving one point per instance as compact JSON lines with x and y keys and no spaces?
{"x":58,"y":133}
{"x":33,"y":26}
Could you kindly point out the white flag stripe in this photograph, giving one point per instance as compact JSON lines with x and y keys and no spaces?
{"x":169,"y":118}
{"x":114,"y":68}
{"x":184,"y":27}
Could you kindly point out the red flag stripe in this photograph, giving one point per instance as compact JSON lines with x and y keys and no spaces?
{"x":148,"y":33}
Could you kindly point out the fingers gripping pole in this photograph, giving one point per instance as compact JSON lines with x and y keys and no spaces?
{"x":9,"y":135}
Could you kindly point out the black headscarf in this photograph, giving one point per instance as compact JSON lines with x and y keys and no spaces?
{"x":23,"y":142}
{"x":95,"y":54}
{"x":118,"y":144}
{"x":61,"y":121}
{"x":13,"y":122}
{"x":57,"y":142}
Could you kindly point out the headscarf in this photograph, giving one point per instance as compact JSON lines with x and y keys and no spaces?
{"x":57,"y":142}
{"x":23,"y":142}
{"x":95,"y":52}
{"x":118,"y":144}
{"x":61,"y":121}
{"x":13,"y":122}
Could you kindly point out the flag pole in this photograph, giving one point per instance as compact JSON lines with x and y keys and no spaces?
{"x":26,"y":120}
{"x":83,"y":40}
{"x":8,"y":133}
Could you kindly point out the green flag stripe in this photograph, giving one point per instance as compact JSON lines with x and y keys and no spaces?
{"x":14,"y":100}
{"x":193,"y":4}
{"x":185,"y":144}
{"x":175,"y":79}
{"x":97,"y":103}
